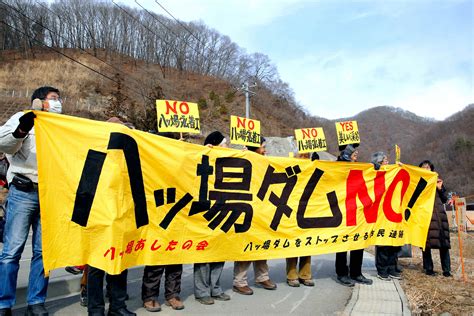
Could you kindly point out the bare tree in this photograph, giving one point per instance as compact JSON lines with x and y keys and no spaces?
{"x":99,"y":25}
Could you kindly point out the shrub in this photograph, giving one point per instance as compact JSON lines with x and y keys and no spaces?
{"x":229,"y":96}
{"x":223,"y":110}
{"x":213,"y":96}
{"x":202,"y":103}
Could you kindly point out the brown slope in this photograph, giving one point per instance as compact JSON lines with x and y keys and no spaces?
{"x":447,"y":143}
{"x":382,"y":127}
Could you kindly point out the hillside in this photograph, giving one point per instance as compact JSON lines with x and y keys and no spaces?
{"x":449,"y":143}
{"x":89,"y":94}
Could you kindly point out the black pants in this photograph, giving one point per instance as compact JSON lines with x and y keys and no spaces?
{"x":355,"y":265}
{"x":386,"y":259}
{"x":152,"y":278}
{"x":445,"y":260}
{"x":95,"y":290}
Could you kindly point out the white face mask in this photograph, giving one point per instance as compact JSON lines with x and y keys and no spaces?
{"x":55,"y":106}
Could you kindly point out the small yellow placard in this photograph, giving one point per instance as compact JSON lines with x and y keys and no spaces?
{"x":347,"y":133}
{"x":397,"y":154}
{"x":177,"y":116}
{"x":310,"y":139}
{"x":244,"y":131}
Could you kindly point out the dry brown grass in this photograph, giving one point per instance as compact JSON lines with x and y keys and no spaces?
{"x":432,"y":295}
{"x":30,"y":74}
{"x":87,"y":93}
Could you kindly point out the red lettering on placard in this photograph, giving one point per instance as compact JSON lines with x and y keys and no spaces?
{"x":171,"y":107}
{"x":305,"y":133}
{"x":346,"y":126}
{"x":241,"y":122}
{"x":184,"y":108}
{"x":309,"y":132}
{"x":251,"y":125}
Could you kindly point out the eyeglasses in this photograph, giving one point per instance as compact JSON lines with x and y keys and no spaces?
{"x":54,"y":99}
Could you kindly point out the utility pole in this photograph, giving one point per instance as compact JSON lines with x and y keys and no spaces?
{"x":248,"y":93}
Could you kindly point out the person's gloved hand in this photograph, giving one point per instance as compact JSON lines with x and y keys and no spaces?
{"x":26,"y":124}
{"x":27,"y":121}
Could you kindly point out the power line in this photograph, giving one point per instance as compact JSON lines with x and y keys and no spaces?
{"x":64,"y":39}
{"x":245,"y":86}
{"x":57,"y":51}
{"x":160,"y":22}
{"x":68,"y":57}
{"x":177,"y":36}
{"x":71,"y":42}
{"x":139,"y":22}
{"x":44,"y":44}
{"x":148,"y":29}
{"x":187,"y":29}
{"x":179,"y":22}
{"x":166,"y":26}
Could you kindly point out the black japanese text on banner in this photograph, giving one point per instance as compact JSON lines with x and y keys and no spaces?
{"x":114,"y":197}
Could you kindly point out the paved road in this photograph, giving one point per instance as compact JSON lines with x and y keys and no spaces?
{"x":326,"y":298}
{"x":25,"y":260}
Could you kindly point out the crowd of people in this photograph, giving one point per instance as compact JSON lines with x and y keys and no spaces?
{"x":22,"y":212}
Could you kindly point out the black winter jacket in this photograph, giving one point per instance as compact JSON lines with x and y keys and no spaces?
{"x":438,"y":233}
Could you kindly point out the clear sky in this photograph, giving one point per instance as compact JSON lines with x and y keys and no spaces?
{"x":342,"y":57}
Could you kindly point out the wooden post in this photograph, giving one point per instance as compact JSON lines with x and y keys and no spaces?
{"x":460,"y":241}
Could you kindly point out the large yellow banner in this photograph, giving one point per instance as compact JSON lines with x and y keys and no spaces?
{"x":114,"y":197}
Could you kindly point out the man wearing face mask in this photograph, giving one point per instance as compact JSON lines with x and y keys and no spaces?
{"x":17,"y":140}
